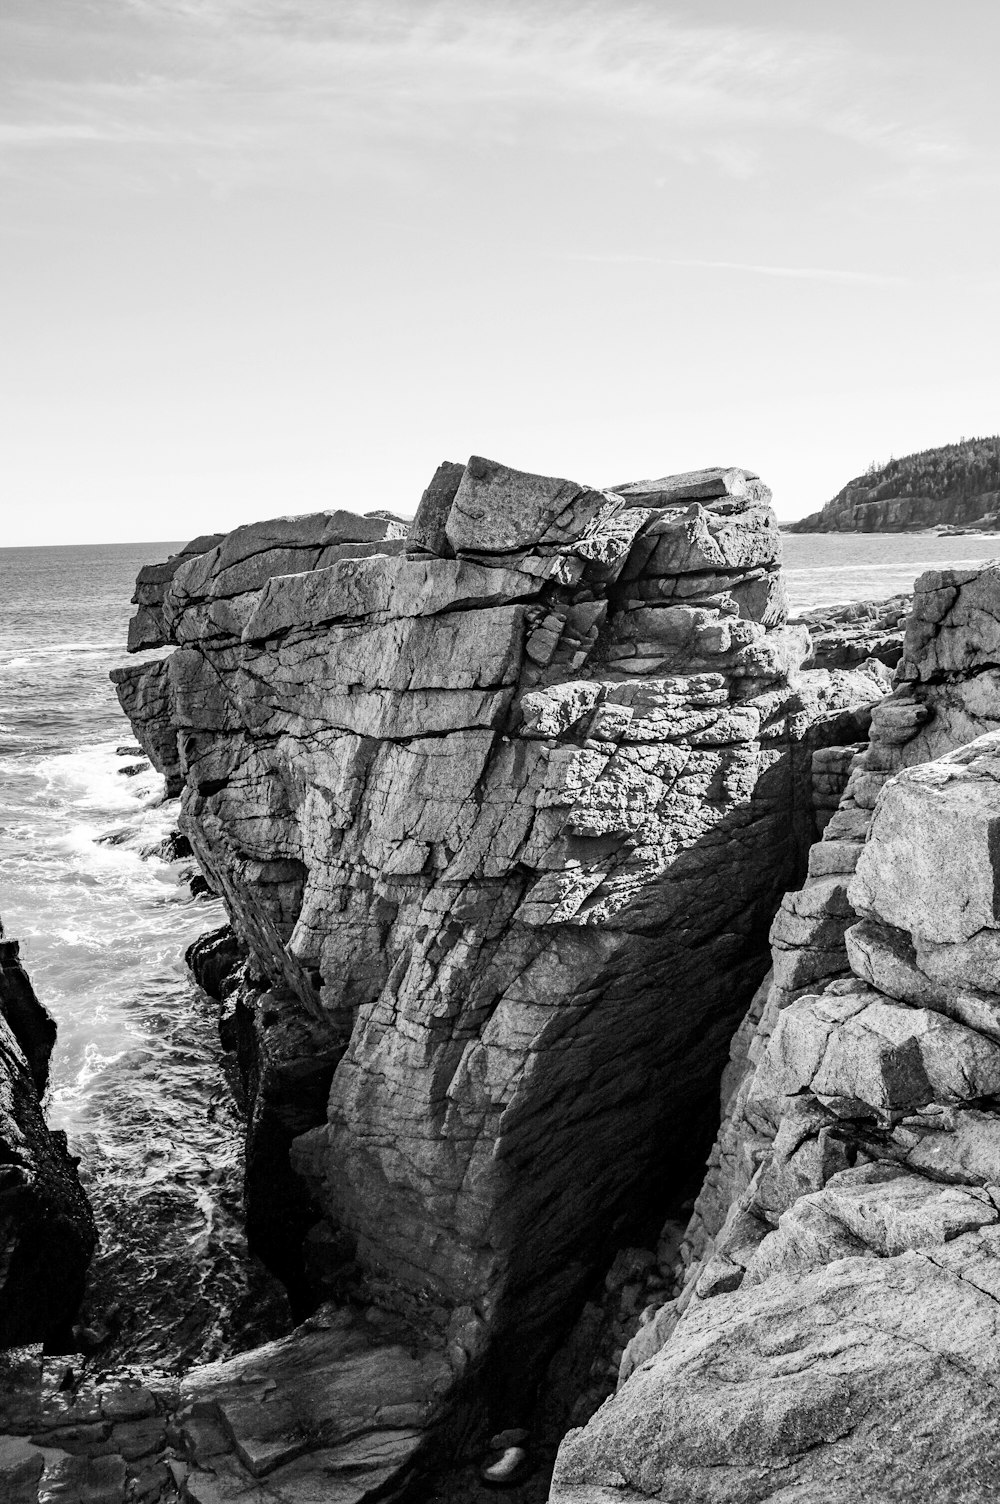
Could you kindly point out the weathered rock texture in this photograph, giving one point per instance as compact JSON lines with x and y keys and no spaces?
{"x":46,"y":1229}
{"x":502,"y":810}
{"x":269,"y":1427}
{"x":146,"y":629}
{"x":852,"y":1197}
{"x":845,"y":635}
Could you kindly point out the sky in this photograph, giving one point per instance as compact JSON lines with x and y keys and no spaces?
{"x":261,"y":257}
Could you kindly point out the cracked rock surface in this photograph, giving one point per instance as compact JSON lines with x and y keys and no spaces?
{"x":843,"y":1262}
{"x":502,"y":803}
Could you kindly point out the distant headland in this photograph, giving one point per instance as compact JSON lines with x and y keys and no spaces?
{"x":956,"y":486}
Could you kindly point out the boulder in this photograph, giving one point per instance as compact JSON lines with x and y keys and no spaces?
{"x":805,"y":1386}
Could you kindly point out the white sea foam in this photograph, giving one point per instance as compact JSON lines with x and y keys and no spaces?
{"x":917,"y":566}
{"x":56,"y":649}
{"x":90,"y":778}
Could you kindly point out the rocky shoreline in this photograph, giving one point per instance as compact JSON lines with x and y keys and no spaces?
{"x":952,"y":489}
{"x":503,"y":805}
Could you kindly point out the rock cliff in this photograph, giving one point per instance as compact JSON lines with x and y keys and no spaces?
{"x":501,"y":804}
{"x":842,"y":1267}
{"x":46,"y":1229}
{"x":957,"y":485}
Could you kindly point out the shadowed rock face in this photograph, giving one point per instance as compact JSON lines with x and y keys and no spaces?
{"x":843,"y":1263}
{"x":503,"y":810}
{"x":46,"y":1229}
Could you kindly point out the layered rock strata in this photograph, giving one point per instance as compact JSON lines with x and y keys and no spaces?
{"x":502,"y":810}
{"x":860,"y":509}
{"x":853,"y":1187}
{"x":46,"y":1229}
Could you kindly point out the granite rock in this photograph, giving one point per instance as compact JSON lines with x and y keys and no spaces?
{"x":847,"y":1228}
{"x":502,"y":811}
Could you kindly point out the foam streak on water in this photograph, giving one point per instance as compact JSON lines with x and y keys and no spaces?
{"x":136,"y":1079}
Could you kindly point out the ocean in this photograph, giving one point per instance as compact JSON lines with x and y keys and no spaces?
{"x":103,"y":922}
{"x":825,"y":569}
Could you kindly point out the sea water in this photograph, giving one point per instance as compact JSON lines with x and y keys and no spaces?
{"x":824,"y":569}
{"x":103,"y":923}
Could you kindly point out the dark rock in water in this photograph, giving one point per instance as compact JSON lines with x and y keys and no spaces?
{"x":174,"y":847}
{"x":46,"y":1228}
{"x":118,"y":838}
{"x":131,"y":769}
{"x":130,"y":749}
{"x":200,"y":886}
{"x":214,"y":960}
{"x":31,"y":1024}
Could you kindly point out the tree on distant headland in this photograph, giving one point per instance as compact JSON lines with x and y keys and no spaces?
{"x":957,"y":484}
{"x":967,"y":468}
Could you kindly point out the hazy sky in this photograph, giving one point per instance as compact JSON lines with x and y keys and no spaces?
{"x":264,"y":256}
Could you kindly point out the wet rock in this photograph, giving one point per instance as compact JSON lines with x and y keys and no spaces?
{"x":214,"y":959}
{"x":46,"y":1228}
{"x":132,"y":769}
{"x":31,"y":1024}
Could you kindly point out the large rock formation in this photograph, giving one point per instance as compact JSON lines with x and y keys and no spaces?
{"x":957,"y":485}
{"x":843,"y":1261}
{"x":46,"y":1228}
{"x":502,"y":810}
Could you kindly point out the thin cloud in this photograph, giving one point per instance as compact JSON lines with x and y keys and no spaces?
{"x":250,"y":76}
{"x":793,"y":273}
